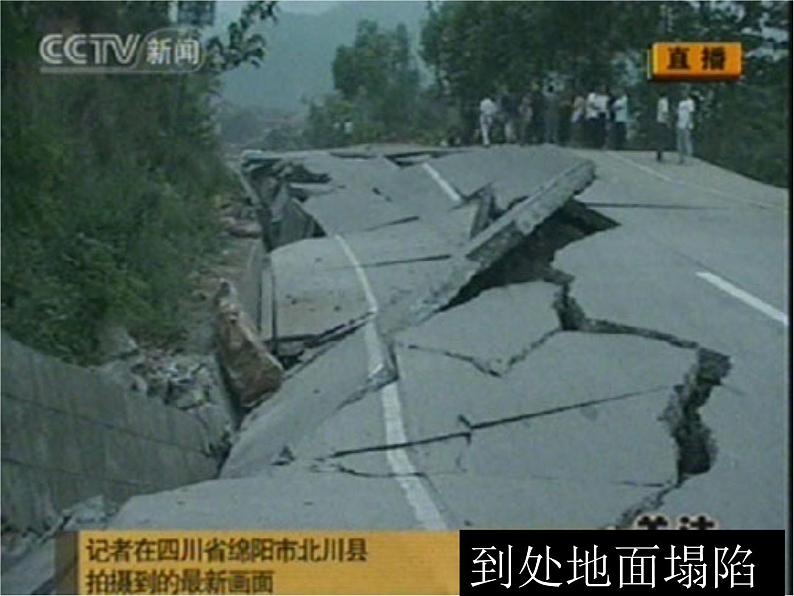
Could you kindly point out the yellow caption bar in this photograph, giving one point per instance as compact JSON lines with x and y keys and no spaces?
{"x":257,"y":562}
{"x":695,"y":61}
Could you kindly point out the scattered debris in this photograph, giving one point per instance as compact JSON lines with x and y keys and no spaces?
{"x":245,"y":229}
{"x":29,"y":559}
{"x":182,"y":380}
{"x":115,"y":341}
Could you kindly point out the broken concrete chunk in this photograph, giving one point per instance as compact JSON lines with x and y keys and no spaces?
{"x":251,"y":370}
{"x":245,"y":229}
{"x":92,"y":513}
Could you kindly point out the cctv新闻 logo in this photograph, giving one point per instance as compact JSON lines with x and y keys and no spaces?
{"x":171,"y":50}
{"x":82,"y":49}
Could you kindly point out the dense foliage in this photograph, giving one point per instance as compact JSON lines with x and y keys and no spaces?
{"x":107,"y":181}
{"x":475,"y":48}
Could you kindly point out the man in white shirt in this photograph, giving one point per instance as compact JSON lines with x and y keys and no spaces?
{"x":596,"y":116}
{"x":488,"y":111}
{"x":686,"y":109}
{"x":662,"y":125}
{"x":590,"y":118}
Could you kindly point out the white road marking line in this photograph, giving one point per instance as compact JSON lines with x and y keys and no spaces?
{"x":445,"y":186}
{"x":422,"y":503}
{"x":372,"y":303}
{"x":672,"y":180}
{"x":745,"y":297}
{"x":415,"y":491}
{"x":375,"y":358}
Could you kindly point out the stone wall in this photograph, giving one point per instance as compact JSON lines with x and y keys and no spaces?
{"x":69,"y":433}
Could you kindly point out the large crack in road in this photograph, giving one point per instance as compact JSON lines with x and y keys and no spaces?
{"x":531,"y":260}
{"x":472,"y":427}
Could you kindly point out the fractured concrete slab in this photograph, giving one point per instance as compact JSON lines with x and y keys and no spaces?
{"x":481,"y":251}
{"x":568,"y":370}
{"x":517,"y":316}
{"x":542,"y":503}
{"x":349,"y":173}
{"x":391,"y":150}
{"x":615,"y":442}
{"x":351,"y":210}
{"x":356,"y":425}
{"x":282,"y":497}
{"x":407,"y":241}
{"x":313,"y":287}
{"x":315,"y":290}
{"x":304,"y":401}
{"x":424,"y":287}
{"x":622,"y":277}
{"x":418,"y":190}
{"x":514,"y":172}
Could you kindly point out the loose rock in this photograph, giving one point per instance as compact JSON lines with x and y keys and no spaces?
{"x":245,"y":229}
{"x":251,"y":370}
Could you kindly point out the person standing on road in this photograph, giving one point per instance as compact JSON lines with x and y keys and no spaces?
{"x":488,"y":111}
{"x":596,"y":116}
{"x":526,"y":115}
{"x":551,"y":119}
{"x":591,"y":119}
{"x":620,"y":108}
{"x":686,"y":110}
{"x":538,"y":109}
{"x":509,"y":105}
{"x":662,"y":125}
{"x":577,"y":119}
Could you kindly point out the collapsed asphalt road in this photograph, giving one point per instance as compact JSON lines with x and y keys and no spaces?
{"x":511,"y":337}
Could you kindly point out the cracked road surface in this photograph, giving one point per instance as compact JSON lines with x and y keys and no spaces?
{"x":512,"y":337}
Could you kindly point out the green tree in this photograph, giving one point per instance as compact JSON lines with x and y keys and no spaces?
{"x":379,"y":76}
{"x":107,"y":183}
{"x":474,"y":48}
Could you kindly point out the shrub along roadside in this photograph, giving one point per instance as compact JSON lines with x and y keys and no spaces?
{"x":107,"y":186}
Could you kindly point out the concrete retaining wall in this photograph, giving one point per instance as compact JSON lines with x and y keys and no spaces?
{"x":69,"y":433}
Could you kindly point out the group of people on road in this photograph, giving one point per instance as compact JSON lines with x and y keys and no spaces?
{"x":544,"y":114}
{"x":534,"y":118}
{"x":598,"y":120}
{"x":604,"y":115}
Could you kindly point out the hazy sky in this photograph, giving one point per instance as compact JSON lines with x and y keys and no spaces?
{"x":307,"y":6}
{"x":230,"y":9}
{"x":302,"y":46}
